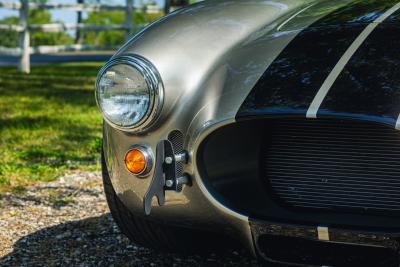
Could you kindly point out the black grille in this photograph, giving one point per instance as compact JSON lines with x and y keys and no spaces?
{"x":176,"y":138}
{"x":333,"y":164}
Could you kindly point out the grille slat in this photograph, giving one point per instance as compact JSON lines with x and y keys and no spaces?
{"x":330,"y":199}
{"x":327,"y":138}
{"x":363,"y":158}
{"x":311,"y":174}
{"x":297,"y":148}
{"x":338,"y":194}
{"x":343,"y":164}
{"x":337,"y":186}
{"x":336,"y":204}
{"x":350,"y":168}
{"x":329,"y":144}
{"x":344,"y":206}
{"x":333,"y":164}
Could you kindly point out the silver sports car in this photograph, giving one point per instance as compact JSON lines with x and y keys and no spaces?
{"x":271,"y":122}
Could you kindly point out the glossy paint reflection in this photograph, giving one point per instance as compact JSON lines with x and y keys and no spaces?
{"x":290,"y":83}
{"x":370,"y":82}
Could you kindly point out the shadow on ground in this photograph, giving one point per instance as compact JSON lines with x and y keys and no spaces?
{"x":98,"y":242}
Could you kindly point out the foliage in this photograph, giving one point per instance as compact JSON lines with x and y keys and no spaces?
{"x":49,"y":123}
{"x":36,"y":16}
{"x":46,"y":38}
{"x":113,"y":38}
{"x":9,"y":38}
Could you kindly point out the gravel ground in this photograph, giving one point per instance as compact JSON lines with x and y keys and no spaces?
{"x":67,"y":222}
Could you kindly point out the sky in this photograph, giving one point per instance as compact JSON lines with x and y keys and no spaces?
{"x":64,"y":15}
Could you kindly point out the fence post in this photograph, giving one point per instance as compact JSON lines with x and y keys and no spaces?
{"x":128,"y":18}
{"x":78,"y":34}
{"x":24,"y":64}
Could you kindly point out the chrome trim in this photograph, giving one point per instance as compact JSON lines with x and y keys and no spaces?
{"x":182,"y":157}
{"x":168,"y":160}
{"x":148,"y":156}
{"x":397,"y":127}
{"x":154,"y":83}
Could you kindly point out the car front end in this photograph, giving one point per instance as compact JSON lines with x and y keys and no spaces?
{"x":250,"y":119}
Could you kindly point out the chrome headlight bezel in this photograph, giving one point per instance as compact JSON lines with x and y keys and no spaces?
{"x":155,"y":86}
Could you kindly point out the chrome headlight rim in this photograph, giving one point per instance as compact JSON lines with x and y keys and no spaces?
{"x":154,"y":83}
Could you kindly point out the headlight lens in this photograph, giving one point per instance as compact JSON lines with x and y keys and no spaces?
{"x":128,"y":92}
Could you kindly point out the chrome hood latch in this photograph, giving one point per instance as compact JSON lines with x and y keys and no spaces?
{"x":165,"y":175}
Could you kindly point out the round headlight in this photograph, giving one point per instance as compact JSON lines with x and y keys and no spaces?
{"x":129,"y":92}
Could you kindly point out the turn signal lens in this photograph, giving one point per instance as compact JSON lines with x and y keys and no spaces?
{"x":135,"y":161}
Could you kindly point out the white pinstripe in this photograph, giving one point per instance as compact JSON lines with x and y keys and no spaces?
{"x":323,"y":91}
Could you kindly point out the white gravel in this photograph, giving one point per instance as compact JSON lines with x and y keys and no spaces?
{"x":67,"y":223}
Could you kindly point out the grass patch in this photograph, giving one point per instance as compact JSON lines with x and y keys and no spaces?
{"x":19,"y":190}
{"x":49,"y":123}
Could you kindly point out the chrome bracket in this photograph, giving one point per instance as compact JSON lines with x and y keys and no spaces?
{"x":165,"y":175}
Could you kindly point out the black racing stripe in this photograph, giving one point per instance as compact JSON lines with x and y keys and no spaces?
{"x":290,"y":83}
{"x":369,"y":85}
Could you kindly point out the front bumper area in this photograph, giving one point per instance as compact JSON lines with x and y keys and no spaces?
{"x":193,"y":207}
{"x":302,"y":245}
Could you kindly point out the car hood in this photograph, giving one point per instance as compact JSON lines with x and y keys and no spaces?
{"x":222,"y":60}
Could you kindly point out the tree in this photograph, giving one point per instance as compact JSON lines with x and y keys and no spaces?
{"x":40,"y":16}
{"x":9,"y":38}
{"x":36,"y":16}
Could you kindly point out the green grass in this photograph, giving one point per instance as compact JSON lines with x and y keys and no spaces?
{"x":49,"y":123}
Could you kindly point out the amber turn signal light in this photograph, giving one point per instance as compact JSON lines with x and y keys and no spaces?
{"x":138,"y":161}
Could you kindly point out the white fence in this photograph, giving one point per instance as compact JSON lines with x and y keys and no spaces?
{"x":24,"y":50}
